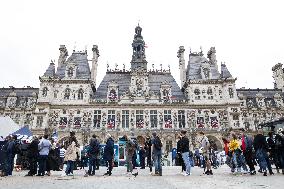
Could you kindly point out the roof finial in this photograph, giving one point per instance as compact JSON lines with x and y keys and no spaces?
{"x":138,"y":22}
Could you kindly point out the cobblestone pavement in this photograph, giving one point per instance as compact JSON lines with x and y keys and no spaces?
{"x":171,"y":179}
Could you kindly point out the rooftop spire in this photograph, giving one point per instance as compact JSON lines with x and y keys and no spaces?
{"x":138,"y":46}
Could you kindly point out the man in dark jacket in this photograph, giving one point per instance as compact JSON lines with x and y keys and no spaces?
{"x":184,"y":148}
{"x":179,"y":155}
{"x":157,"y":154}
{"x":109,"y":153}
{"x":148,"y":145}
{"x":11,"y":152}
{"x":32,"y":153}
{"x":261,"y":147}
{"x":94,"y":149}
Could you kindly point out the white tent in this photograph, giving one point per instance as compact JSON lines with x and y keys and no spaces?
{"x":7,"y":126}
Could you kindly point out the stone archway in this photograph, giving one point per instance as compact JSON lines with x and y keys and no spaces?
{"x":217,"y":141}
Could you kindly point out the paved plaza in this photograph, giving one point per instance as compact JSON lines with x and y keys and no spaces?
{"x":171,"y":179}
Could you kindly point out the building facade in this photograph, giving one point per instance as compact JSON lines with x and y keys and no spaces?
{"x":141,"y":100}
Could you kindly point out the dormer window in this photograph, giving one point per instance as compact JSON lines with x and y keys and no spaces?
{"x":44,"y":91}
{"x":80,"y":94}
{"x":70,"y":72}
{"x":67,"y":93}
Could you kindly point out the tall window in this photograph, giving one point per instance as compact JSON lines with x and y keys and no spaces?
{"x":55,"y":93}
{"x":80,"y":94}
{"x":168,"y":118}
{"x":39,"y":121}
{"x":181,"y":119}
{"x":231,"y":93}
{"x":70,"y":72}
{"x":97,"y":118}
{"x":125,"y":118}
{"x":67,"y":93}
{"x":169,"y":146}
{"x":77,"y":121}
{"x":153,"y":118}
{"x":44,"y":91}
{"x":111,"y":119}
{"x":139,"y":118}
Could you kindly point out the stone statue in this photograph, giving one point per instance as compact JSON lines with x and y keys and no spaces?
{"x":63,"y":55}
{"x":211,"y":55}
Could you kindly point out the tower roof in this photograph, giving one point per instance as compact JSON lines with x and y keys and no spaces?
{"x":81,"y":62}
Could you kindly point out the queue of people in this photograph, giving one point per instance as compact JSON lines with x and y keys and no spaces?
{"x":243,"y":153}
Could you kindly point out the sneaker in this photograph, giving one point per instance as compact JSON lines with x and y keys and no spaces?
{"x":210,"y":172}
{"x":186,"y":174}
{"x":265,"y":173}
{"x":252,"y":172}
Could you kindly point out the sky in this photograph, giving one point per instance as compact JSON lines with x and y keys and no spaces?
{"x":247,"y":35}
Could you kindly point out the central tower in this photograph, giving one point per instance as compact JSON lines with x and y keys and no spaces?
{"x":138,"y":57}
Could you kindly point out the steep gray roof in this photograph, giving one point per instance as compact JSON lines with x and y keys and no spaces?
{"x":23,"y":92}
{"x":268,"y":95}
{"x":22,"y":95}
{"x":81,"y":61}
{"x":50,"y":72}
{"x":225,"y":72}
{"x":123,"y":81}
{"x":251,"y":93}
{"x":194,"y":67}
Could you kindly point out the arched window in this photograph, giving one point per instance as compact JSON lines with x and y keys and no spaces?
{"x":80,"y":94}
{"x":44,"y":91}
{"x":67,"y":93}
{"x":70,"y":72}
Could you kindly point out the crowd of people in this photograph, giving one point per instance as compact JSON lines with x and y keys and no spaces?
{"x":243,"y":153}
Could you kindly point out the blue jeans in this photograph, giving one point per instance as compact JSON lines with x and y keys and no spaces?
{"x":261,"y":155}
{"x":185,"y":157}
{"x":92,"y":165}
{"x":240,"y":160}
{"x":70,"y":167}
{"x":42,"y":164}
{"x":157,"y":162}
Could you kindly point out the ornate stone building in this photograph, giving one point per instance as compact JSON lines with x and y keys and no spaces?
{"x":142,"y":99}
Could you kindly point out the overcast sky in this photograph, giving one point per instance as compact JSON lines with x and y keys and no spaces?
{"x":247,"y":35}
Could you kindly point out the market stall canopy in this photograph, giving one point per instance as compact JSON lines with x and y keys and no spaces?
{"x":7,"y":126}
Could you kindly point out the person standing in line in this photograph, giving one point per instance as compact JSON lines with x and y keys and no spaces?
{"x":184,"y":149}
{"x":109,"y":154}
{"x":179,"y":154}
{"x":247,"y":148}
{"x":33,"y":153}
{"x":9,"y":150}
{"x":261,"y":147}
{"x":206,"y":145}
{"x":272,"y":152}
{"x":279,"y":150}
{"x":148,"y":148}
{"x":129,"y":152}
{"x":94,"y":149}
{"x":157,"y":154}
{"x":70,"y":158}
{"x":44,"y":147}
{"x":62,"y":155}
{"x":142,"y":155}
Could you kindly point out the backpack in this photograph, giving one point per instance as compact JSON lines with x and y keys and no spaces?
{"x":157,"y":143}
